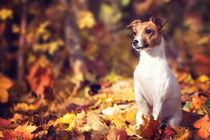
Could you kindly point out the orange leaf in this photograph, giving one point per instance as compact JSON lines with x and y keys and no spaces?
{"x":198,"y":101}
{"x":5,"y":83}
{"x":40,"y":76}
{"x":204,"y":126}
{"x":3,"y":95}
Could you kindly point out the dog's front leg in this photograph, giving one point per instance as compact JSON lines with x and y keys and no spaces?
{"x":157,"y":108}
{"x":143,"y":107}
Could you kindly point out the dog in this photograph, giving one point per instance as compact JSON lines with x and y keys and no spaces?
{"x":155,"y":86}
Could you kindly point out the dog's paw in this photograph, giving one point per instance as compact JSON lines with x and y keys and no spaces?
{"x":139,"y":119}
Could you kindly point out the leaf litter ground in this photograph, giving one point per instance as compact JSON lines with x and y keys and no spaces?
{"x":102,"y":110}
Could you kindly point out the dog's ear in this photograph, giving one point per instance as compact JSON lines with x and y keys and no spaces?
{"x":134,"y":23}
{"x":158,"y":21}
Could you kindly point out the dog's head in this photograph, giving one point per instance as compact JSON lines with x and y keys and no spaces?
{"x":146,"y":34}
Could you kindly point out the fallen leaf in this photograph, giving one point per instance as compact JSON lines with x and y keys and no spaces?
{"x":85,"y":19}
{"x":149,"y":128}
{"x":26,"y":131}
{"x":182,"y":133}
{"x":204,"y":126}
{"x":4,"y":123}
{"x":117,"y":134}
{"x":203,"y":78}
{"x":40,"y":76}
{"x":5,"y":84}
{"x":198,"y":101}
{"x":25,"y":107}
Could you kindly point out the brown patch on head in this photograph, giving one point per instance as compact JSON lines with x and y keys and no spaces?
{"x":149,"y":31}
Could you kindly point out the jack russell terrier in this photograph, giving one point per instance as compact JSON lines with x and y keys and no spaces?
{"x":155,"y":86}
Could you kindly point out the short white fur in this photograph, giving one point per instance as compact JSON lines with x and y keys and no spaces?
{"x":139,"y":39}
{"x":156,"y":87}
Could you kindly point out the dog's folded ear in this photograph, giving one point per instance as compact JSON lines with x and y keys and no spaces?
{"x":158,"y":21}
{"x":134,"y":23}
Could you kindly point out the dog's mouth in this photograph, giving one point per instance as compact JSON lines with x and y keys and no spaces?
{"x":140,"y":48}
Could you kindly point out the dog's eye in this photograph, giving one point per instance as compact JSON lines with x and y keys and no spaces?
{"x":148,"y":31}
{"x":134,"y":33}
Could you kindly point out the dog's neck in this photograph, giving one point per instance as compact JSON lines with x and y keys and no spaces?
{"x":147,"y":57}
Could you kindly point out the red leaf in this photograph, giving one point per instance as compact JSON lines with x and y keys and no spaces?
{"x":4,"y":123}
{"x":169,"y":132}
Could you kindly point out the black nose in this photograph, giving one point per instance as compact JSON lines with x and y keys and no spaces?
{"x":135,"y":42}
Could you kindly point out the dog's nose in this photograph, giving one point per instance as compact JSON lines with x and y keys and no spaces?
{"x":135,"y":42}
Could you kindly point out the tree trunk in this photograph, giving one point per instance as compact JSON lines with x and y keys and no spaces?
{"x":21,"y":43}
{"x":72,"y":41}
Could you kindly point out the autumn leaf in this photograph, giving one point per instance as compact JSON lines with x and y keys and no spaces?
{"x":5,"y":84}
{"x":85,"y":19}
{"x":40,"y":76}
{"x":4,"y":123}
{"x":25,"y":107}
{"x":198,"y":101}
{"x":182,"y":133}
{"x":149,"y":128}
{"x":204,"y":126}
{"x":6,"y":14}
{"x":117,"y":134}
{"x":26,"y":131}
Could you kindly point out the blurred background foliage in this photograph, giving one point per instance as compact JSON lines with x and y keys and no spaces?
{"x":87,"y":39}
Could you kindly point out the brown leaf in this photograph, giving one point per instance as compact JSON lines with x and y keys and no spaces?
{"x":149,"y":128}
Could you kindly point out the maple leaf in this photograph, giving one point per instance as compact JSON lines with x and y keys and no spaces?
{"x":149,"y":128}
{"x":5,"y":84}
{"x":204,"y":126}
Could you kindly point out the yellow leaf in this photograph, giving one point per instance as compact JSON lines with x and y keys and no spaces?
{"x":130,"y":116}
{"x":189,"y":90}
{"x":85,"y":20}
{"x":203,"y":40}
{"x":182,"y":133}
{"x":24,"y":107}
{"x":67,"y":118}
{"x":5,"y":14}
{"x":203,"y":78}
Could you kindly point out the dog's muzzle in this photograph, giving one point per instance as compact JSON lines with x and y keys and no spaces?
{"x":136,"y":46}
